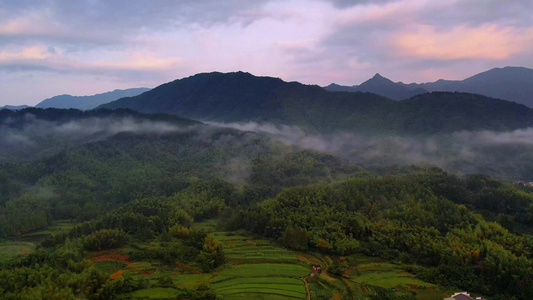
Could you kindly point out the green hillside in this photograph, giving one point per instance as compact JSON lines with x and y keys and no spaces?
{"x":242,"y":97}
{"x":120,"y":205}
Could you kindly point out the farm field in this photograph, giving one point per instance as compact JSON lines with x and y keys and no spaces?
{"x":270,"y":279}
{"x":16,"y":248}
{"x":54,"y":228}
{"x":391,"y":277}
{"x":11,"y":251}
{"x":257,"y":268}
{"x":385,"y":275}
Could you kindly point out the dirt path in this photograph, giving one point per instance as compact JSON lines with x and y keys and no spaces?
{"x":324,"y":274}
{"x":307,"y":288}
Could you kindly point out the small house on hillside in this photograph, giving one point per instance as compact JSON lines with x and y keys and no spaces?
{"x":523,"y":183}
{"x":462,"y":296}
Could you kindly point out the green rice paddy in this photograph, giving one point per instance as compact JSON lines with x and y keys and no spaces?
{"x":385,"y":275}
{"x":256,"y":268}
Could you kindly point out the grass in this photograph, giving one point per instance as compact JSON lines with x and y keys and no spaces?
{"x":431,"y":295}
{"x":191,"y":281}
{"x":109,"y":266}
{"x":320,"y":290}
{"x":261,"y":280}
{"x":259,"y":296}
{"x":385,"y":275}
{"x":256,"y":268}
{"x":241,"y":249}
{"x":267,"y":270}
{"x":143,"y":264}
{"x":274,"y":291}
{"x":241,"y":285}
{"x":256,"y":286}
{"x":154,"y":293}
{"x":207,"y":225}
{"x":54,"y":228}
{"x":229,"y":281}
{"x":11,"y":251}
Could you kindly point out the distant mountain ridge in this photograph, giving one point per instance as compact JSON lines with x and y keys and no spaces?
{"x":88,"y":102}
{"x":243,"y":97}
{"x":508,"y":83}
{"x":14,"y":107}
{"x":381,"y":86}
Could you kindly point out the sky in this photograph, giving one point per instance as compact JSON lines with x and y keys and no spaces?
{"x":84,"y":47}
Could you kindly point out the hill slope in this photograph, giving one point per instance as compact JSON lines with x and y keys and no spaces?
{"x":382,"y":86}
{"x":508,"y":83}
{"x":88,"y":102}
{"x":242,"y":97}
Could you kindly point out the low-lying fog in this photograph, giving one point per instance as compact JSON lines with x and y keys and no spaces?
{"x":506,"y":155}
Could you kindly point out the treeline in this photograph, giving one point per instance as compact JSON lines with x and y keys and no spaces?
{"x":398,"y":218}
{"x":405,"y":217}
{"x":59,"y":270}
{"x":471,"y":232}
{"x":85,"y":181}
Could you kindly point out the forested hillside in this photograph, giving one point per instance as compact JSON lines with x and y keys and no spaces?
{"x":104,"y":159}
{"x":507,"y":83}
{"x":88,"y":102}
{"x":136,"y":190}
{"x":397,"y":218}
{"x":242,"y":97}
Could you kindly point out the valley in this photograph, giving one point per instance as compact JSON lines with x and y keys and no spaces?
{"x":266,"y":150}
{"x":256,"y":268}
{"x":120,"y":204}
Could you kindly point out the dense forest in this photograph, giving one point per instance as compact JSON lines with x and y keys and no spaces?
{"x":140,"y":182}
{"x":243,"y":97}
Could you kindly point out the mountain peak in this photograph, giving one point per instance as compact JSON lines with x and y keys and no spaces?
{"x":66,"y":101}
{"x":378,"y":79}
{"x":385,"y":87}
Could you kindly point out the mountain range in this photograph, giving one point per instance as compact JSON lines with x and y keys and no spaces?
{"x":14,"y":107}
{"x":243,"y":97}
{"x":88,"y":102}
{"x":508,"y":83}
{"x":381,"y":86}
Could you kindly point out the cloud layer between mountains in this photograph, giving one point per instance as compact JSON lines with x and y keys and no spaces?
{"x":501,"y":154}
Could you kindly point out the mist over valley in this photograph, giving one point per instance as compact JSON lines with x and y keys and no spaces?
{"x":317,"y":150}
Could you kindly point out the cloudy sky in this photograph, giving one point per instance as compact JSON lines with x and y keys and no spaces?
{"x":79,"y":47}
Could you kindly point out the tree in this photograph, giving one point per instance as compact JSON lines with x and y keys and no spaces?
{"x":296,"y":238}
{"x":212,"y":254}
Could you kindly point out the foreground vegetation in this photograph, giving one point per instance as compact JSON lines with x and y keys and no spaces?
{"x":206,"y":213}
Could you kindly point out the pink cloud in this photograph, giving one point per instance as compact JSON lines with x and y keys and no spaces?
{"x":138,"y":61}
{"x":461,"y":42}
{"x":399,"y":13}
{"x":33,"y":23}
{"x":37,"y":52}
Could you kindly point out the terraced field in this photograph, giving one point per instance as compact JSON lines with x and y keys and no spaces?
{"x":259,"y":269}
{"x":385,"y":275}
{"x":240,"y":249}
{"x":370,"y":275}
{"x":155,"y":293}
{"x":13,"y":249}
{"x":320,"y":290}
